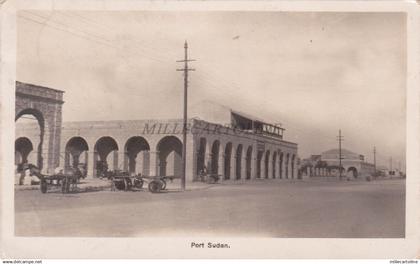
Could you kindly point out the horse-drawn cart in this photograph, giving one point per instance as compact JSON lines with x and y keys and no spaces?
{"x":123,"y":181}
{"x":67,"y":182}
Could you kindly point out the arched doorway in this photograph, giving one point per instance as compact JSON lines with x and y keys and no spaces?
{"x":76,"y":153}
{"x":215,"y":157}
{"x":201,"y":156}
{"x":274,"y":164}
{"x":31,"y":124}
{"x":23,"y":147}
{"x":267,"y":162}
{"x":228,"y":156}
{"x":45,"y":105}
{"x":136,"y":158}
{"x":248,"y":163}
{"x":238,"y":158}
{"x":259,"y":161}
{"x":352,"y":172}
{"x":106,"y":155}
{"x":170,"y":156}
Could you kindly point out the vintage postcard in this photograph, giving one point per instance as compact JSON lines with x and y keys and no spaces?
{"x":177,"y":129}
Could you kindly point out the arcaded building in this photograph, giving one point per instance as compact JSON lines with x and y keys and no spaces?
{"x":229,"y":143}
{"x":327,"y":164}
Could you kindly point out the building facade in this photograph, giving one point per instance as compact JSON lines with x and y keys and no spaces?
{"x":327,"y":164}
{"x":233,"y":145}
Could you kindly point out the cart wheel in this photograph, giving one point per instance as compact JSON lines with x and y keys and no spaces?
{"x":163,"y":182}
{"x":128,"y":184}
{"x":138,"y":183}
{"x":119,"y":185}
{"x":43,"y":186}
{"x":155,"y":186}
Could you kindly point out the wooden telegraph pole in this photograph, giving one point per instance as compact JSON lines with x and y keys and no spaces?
{"x":184,"y":130}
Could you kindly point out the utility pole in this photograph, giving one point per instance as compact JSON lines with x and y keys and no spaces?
{"x":340,"y":157}
{"x":184,"y":130}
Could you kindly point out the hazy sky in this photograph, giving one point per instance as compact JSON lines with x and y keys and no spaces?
{"x":312,"y":72}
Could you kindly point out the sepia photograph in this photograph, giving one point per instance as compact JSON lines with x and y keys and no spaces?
{"x":247,"y":124}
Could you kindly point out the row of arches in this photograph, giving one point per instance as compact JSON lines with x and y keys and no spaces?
{"x":269,"y":164}
{"x":136,"y":158}
{"x":233,"y":162}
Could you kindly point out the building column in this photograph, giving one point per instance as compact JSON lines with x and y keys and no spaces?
{"x":146,"y":163}
{"x":270,"y":166}
{"x":222,"y":157}
{"x":121,"y":160}
{"x":243,"y":167}
{"x":277,"y":166}
{"x":153,"y":161}
{"x":91,"y":155}
{"x":262,"y":174}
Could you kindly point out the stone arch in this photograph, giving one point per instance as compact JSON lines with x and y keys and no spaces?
{"x":227,"y":160}
{"x":43,"y":126}
{"x":201,"y":155}
{"x":248,"y":163}
{"x":274,"y":164}
{"x":352,"y":172}
{"x":287,"y":166}
{"x":103,"y":147}
{"x":136,"y":155}
{"x":169,"y":150}
{"x":238,"y":162}
{"x":259,"y":161}
{"x":214,"y":169}
{"x":266,"y":164}
{"x":23,"y":147}
{"x":45,"y":104}
{"x":74,"y":149}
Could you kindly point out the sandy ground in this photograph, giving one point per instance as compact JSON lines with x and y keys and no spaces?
{"x":269,"y":208}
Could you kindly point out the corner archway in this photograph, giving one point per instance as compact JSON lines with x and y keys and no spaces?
{"x":169,"y":151}
{"x":32,"y":120}
{"x":45,"y":104}
{"x":136,"y":158}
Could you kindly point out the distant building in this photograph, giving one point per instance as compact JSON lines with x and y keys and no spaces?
{"x":327,"y":164}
